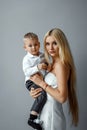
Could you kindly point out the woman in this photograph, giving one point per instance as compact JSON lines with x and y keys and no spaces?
{"x":59,"y":83}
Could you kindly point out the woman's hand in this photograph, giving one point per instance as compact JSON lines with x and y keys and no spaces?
{"x":37,"y":79}
{"x":35,"y":92}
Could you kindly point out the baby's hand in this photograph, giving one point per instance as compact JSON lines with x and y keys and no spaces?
{"x":49,"y":68}
{"x":42,"y":66}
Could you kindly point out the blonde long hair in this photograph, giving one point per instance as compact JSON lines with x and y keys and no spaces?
{"x":67,"y":58}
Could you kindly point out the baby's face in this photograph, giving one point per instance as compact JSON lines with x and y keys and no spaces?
{"x":32,"y":45}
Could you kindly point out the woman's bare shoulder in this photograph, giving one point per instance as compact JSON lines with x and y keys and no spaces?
{"x":60,"y":65}
{"x":61,"y":69}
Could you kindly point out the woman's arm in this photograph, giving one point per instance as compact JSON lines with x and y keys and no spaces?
{"x":60,"y":93}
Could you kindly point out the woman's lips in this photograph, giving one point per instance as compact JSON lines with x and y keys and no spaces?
{"x":52,"y":52}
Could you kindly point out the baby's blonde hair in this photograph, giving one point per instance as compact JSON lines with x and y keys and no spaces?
{"x":31,"y":35}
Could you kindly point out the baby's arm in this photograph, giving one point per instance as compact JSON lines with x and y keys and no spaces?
{"x":28,"y":69}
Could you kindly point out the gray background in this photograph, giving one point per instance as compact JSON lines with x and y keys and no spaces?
{"x":18,"y":17}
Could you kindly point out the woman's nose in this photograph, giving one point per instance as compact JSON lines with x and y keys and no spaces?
{"x":51,"y":46}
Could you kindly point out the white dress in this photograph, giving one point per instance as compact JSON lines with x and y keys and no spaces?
{"x":52,"y":114}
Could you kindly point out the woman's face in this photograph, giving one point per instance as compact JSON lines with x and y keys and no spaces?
{"x":52,"y":46}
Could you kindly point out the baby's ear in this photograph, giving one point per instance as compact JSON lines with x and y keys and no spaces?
{"x":24,"y":47}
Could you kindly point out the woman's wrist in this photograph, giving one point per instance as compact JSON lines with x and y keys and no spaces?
{"x":44,"y":85}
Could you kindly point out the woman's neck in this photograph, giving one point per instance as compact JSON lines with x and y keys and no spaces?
{"x":55,"y":60}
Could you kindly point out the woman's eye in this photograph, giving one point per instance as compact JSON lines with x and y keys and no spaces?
{"x":47,"y":43}
{"x":54,"y":43}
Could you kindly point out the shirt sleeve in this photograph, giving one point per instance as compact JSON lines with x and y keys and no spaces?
{"x":28,"y":70}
